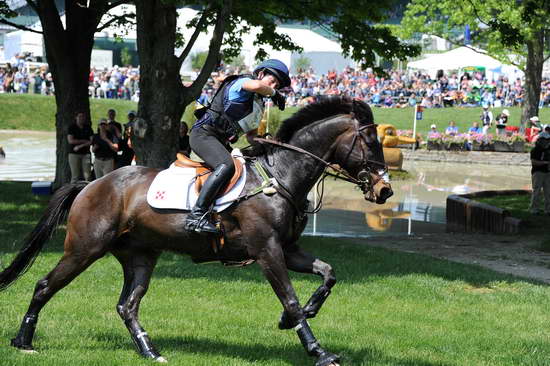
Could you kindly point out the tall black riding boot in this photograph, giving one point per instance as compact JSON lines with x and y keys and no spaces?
{"x":199,"y":219}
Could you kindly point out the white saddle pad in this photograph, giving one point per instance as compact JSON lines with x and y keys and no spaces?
{"x":174,"y":188}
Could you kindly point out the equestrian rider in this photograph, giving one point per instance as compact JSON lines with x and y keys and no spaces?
{"x":236,"y":108}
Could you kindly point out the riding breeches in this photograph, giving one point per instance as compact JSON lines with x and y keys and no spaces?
{"x":209,"y":148}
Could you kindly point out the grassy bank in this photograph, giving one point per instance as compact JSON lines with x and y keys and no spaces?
{"x":389,"y":308}
{"x":36,"y":112}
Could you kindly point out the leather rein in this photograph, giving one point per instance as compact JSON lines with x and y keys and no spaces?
{"x":363,"y":180}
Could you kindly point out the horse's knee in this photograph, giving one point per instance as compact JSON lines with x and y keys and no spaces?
{"x":294,"y":309}
{"x":325,"y":270}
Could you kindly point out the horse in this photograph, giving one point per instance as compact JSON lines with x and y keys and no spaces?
{"x":111,"y":215}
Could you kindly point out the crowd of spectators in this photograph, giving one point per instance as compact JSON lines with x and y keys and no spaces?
{"x":396,"y":89}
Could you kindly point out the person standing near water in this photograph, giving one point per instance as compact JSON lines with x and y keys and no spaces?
{"x":80,"y":138}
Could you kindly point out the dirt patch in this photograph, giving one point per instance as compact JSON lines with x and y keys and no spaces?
{"x":517,"y":255}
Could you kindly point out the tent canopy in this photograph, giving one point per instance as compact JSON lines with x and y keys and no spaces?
{"x":455,"y":59}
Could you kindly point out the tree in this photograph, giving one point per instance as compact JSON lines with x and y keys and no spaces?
{"x":163,"y":97}
{"x":302,"y":63}
{"x":198,"y":59}
{"x":68,"y":51}
{"x":516,"y":32}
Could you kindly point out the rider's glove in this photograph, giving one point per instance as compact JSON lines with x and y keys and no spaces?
{"x":279,"y":100}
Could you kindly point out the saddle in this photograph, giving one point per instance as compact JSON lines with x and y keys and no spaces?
{"x":203,"y":172}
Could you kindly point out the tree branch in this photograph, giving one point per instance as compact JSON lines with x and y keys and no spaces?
{"x":15,"y":25}
{"x":114,"y":4}
{"x":194,"y":36}
{"x":214,"y":51}
{"x":123,"y":17}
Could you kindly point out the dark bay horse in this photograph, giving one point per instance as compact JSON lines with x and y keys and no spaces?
{"x":111,"y":215}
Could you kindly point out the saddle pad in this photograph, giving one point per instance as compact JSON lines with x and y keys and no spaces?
{"x":174,"y":188}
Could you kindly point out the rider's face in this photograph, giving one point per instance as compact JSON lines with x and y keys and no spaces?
{"x":271,"y":81}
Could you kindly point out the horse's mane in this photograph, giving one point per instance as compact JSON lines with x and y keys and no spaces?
{"x":324,"y":107}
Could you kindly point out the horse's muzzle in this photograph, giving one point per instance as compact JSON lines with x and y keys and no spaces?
{"x":380,"y":192}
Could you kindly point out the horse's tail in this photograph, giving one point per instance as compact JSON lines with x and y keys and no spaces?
{"x":57,"y":212}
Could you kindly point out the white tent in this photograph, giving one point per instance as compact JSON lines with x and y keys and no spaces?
{"x":455,"y":59}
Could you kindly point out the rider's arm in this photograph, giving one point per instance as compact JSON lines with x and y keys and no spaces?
{"x":256,"y":86}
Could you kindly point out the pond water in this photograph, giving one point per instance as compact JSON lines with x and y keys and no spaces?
{"x":418,"y":204}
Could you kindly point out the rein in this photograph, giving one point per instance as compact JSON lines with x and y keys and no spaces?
{"x":348,"y":177}
{"x":363,"y":181}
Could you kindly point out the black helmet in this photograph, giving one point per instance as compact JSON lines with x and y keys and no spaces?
{"x":277,"y":69}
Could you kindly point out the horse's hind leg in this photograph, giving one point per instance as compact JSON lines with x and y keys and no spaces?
{"x":138,"y":267}
{"x":70,"y":266}
{"x":299,"y":261}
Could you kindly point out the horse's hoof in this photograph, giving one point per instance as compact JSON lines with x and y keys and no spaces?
{"x":161,"y":359}
{"x":26,"y":348}
{"x":328,"y":359}
{"x":28,"y":351}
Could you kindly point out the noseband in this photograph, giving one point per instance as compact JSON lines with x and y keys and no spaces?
{"x":363,"y":180}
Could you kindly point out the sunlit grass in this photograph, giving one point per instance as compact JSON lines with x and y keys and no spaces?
{"x":388,"y":308}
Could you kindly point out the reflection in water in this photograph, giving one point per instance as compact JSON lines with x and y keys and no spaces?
{"x":418,"y":204}
{"x":30,"y":156}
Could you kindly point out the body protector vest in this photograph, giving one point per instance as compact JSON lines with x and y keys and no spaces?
{"x":229,"y":119}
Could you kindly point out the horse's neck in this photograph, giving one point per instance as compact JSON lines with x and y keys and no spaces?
{"x":299,"y":172}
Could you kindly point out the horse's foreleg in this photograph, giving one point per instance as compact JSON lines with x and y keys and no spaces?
{"x":272,"y":262}
{"x":299,"y":261}
{"x":138,"y":268}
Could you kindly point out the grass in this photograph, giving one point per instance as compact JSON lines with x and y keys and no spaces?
{"x":389,"y":308}
{"x":37,"y":112}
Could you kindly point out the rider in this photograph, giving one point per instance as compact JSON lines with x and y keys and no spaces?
{"x":236,"y":108}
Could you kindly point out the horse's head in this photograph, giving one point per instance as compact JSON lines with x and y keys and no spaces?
{"x":360,"y":153}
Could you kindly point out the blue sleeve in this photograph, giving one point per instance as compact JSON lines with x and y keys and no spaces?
{"x":237,"y":93}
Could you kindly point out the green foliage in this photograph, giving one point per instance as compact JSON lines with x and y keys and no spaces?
{"x":198,"y":59}
{"x":302,"y":63}
{"x":501,"y":27}
{"x":125,"y":57}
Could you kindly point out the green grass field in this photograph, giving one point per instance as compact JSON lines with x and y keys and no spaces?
{"x":37,"y":112}
{"x":389,"y":308}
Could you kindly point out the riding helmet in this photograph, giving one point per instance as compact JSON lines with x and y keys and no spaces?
{"x":275,"y":68}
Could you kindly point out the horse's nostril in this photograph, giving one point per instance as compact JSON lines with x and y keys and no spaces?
{"x":386,"y":193}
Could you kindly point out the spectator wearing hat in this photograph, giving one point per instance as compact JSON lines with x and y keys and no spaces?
{"x":502,"y":121}
{"x":104,"y":147}
{"x":540,"y":173}
{"x":433,"y":132}
{"x":533,"y":129}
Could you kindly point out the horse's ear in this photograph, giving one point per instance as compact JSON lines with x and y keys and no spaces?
{"x":362,"y":111}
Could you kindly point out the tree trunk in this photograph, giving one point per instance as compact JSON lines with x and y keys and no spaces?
{"x":163,"y":97}
{"x":533,"y":77}
{"x":161,"y":100}
{"x":68,"y":52}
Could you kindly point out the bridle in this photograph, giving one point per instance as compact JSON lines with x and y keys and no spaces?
{"x":363,"y":180}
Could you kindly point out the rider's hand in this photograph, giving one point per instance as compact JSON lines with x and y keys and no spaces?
{"x":279,"y":100}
